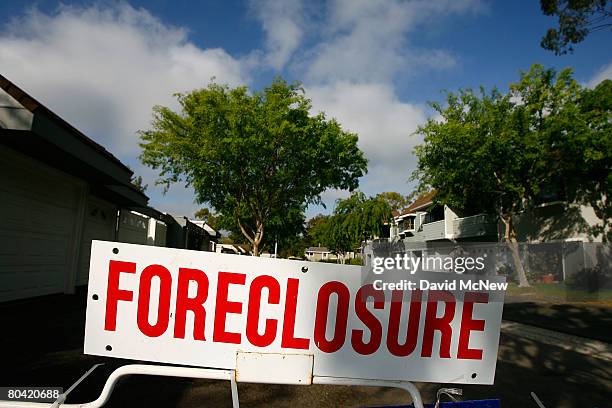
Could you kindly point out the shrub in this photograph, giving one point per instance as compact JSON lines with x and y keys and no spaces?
{"x":590,"y":279}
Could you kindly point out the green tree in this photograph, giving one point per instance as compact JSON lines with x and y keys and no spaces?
{"x":208,"y":216}
{"x":286,"y":232}
{"x":498,"y":153}
{"x":316,"y":231}
{"x":593,"y":172}
{"x":577,"y":19}
{"x":139,"y":184}
{"x":253,"y":157}
{"x":395,"y":200}
{"x":354,"y":220}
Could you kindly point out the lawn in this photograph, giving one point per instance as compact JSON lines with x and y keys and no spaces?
{"x":556,"y":293}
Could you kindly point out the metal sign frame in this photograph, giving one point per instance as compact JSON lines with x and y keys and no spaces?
{"x":201,"y":373}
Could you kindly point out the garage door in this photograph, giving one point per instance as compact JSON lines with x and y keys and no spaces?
{"x":39,"y":212}
{"x":100,"y":222}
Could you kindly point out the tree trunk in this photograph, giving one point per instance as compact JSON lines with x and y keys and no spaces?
{"x":258,"y":238}
{"x":510,"y":239}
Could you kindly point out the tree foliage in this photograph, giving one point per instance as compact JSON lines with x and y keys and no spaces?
{"x":592,"y":171}
{"x":286,"y":230}
{"x":208,"y":216}
{"x":395,"y":200}
{"x":355,"y":219}
{"x":139,"y":183}
{"x":577,"y":19}
{"x":503,"y":153}
{"x":255,"y":158}
{"x":316,"y":231}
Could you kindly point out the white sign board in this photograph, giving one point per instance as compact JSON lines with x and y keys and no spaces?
{"x":206,"y":309}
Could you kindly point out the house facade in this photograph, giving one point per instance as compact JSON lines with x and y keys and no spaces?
{"x":423,"y":221}
{"x":316,"y":254}
{"x":60,"y":190}
{"x":554,"y":237}
{"x":190,"y":234}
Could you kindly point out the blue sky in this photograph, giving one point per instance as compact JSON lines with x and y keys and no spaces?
{"x":372,"y":64}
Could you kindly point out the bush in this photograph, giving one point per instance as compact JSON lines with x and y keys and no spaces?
{"x":590,"y":279}
{"x":355,"y":261}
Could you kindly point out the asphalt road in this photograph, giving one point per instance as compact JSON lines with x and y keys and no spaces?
{"x":41,"y":344}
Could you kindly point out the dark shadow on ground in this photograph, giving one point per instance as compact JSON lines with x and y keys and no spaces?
{"x":42,"y":344}
{"x":580,"y":319}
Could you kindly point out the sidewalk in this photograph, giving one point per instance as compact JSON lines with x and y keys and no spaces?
{"x":588,"y":347}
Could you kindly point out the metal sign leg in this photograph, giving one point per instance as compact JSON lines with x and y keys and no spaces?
{"x":212,"y":374}
{"x":234,"y":386}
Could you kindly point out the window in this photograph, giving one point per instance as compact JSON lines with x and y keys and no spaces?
{"x":406,"y":224}
{"x":434,"y":214}
{"x":409,"y":223}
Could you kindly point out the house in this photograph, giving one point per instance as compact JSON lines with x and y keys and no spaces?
{"x":554,"y":236}
{"x":235,"y":249}
{"x":60,"y":190}
{"x":191,"y":234}
{"x":319,"y":254}
{"x":213,"y":235}
{"x":137,"y":228}
{"x":425,"y":221}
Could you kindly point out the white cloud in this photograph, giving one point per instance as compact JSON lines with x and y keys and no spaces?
{"x":103,"y":69}
{"x":366,"y":40}
{"x":384,"y":125}
{"x":603,"y":74}
{"x":283,"y":23}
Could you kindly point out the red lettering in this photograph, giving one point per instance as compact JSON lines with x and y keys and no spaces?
{"x":289,"y":340}
{"x":144,"y":296}
{"x":468,"y":324}
{"x":114,"y":294}
{"x":224,"y":306}
{"x":195,"y":304}
{"x":441,"y":324}
{"x":395,"y":315}
{"x":265,"y":339}
{"x":371,"y":322}
{"x":320,"y":328}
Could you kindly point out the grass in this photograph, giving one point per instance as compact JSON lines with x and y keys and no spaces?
{"x":556,"y":293}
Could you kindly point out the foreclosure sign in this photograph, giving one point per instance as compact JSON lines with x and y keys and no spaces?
{"x":204,"y":309}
